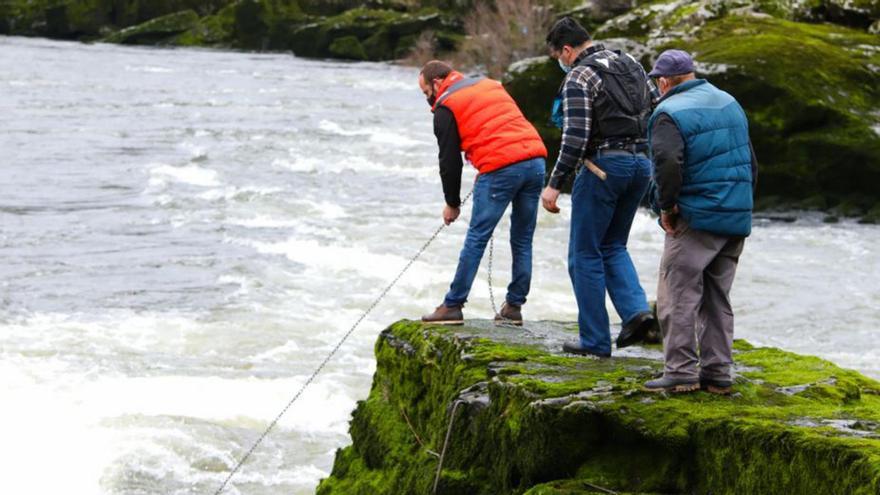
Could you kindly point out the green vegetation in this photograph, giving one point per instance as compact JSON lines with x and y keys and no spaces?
{"x":534,"y":421}
{"x":381,"y":34}
{"x":158,"y":30}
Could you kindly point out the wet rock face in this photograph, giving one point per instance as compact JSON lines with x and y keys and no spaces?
{"x":527,"y":419}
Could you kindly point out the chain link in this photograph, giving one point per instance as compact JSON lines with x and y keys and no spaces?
{"x":489,"y":277}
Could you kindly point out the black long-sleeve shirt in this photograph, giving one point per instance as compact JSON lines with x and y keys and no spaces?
{"x":451,"y":164}
{"x":667,"y":146}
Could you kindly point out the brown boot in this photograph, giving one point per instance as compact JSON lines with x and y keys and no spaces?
{"x":509,"y":315}
{"x":445,"y":315}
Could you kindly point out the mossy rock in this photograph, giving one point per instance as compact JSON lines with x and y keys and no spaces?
{"x":534,"y":83}
{"x":348,"y":47}
{"x":873,"y":215}
{"x":216,"y":30}
{"x":89,"y":19}
{"x":384,"y":34}
{"x":593,"y":13}
{"x":53,"y":18}
{"x":79,"y":20}
{"x":573,"y":487}
{"x":156,"y":31}
{"x":248,"y":24}
{"x":527,"y":417}
{"x":855,"y":13}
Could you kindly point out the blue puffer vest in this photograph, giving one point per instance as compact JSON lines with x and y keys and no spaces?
{"x":716,"y":192}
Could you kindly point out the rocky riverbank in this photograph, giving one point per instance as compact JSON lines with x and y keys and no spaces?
{"x":528,"y":419}
{"x":374,"y":30}
{"x":807,"y":73}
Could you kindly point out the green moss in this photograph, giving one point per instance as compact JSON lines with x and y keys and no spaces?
{"x":572,"y":487}
{"x":384,"y":34}
{"x":157,"y":30}
{"x":90,"y":19}
{"x":348,"y":47}
{"x":529,"y":415}
{"x":212,"y":30}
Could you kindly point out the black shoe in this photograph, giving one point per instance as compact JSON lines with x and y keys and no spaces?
{"x":575,"y":347}
{"x":674,"y":385}
{"x":716,"y":386}
{"x":636,"y":329}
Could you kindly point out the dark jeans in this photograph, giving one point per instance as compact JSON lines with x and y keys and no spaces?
{"x":519,"y":184}
{"x":601,"y":218}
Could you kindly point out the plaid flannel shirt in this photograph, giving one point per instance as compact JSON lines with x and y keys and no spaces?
{"x":579,"y":88}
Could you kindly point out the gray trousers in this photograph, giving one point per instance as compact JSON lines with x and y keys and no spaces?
{"x":693,"y":303}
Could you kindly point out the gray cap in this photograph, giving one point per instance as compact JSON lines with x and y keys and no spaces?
{"x":672,"y":63}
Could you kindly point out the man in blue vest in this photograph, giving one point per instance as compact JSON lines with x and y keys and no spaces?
{"x":705,"y":172}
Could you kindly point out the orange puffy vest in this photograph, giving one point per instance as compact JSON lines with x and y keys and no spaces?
{"x":493,"y":131}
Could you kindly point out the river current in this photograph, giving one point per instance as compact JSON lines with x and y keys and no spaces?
{"x":185,"y":234}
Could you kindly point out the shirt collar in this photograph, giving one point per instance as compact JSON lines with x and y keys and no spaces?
{"x":596,"y":47}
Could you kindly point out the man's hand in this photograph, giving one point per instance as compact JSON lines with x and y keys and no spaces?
{"x":548,"y":199}
{"x":450,"y":214}
{"x":669,"y":221}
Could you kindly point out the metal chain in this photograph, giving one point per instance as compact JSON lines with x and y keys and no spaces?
{"x":492,"y":291}
{"x":334,"y":351}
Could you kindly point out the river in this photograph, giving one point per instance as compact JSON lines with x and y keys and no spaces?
{"x":184,"y":235}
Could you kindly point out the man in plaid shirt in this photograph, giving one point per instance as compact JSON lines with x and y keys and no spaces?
{"x":603,"y":109}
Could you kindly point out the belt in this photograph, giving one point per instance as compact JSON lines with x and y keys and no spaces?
{"x":640,"y":146}
{"x":622,"y":152}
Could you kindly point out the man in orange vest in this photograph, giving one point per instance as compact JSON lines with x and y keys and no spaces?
{"x":478,"y":117}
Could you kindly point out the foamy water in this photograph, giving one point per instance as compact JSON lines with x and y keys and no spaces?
{"x":185,"y":234}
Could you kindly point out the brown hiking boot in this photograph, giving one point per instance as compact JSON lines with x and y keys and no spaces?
{"x":674,"y":385}
{"x":445,"y":315}
{"x":716,"y":386}
{"x":509,"y":314}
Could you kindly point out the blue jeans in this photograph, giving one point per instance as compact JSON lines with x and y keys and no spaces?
{"x":601,"y":217}
{"x":520,"y":184}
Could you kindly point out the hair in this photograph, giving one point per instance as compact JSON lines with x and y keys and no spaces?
{"x":435,"y":69}
{"x":567,"y":31}
{"x":679,"y":78}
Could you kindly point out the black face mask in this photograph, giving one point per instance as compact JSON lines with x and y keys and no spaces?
{"x":431,"y":100}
